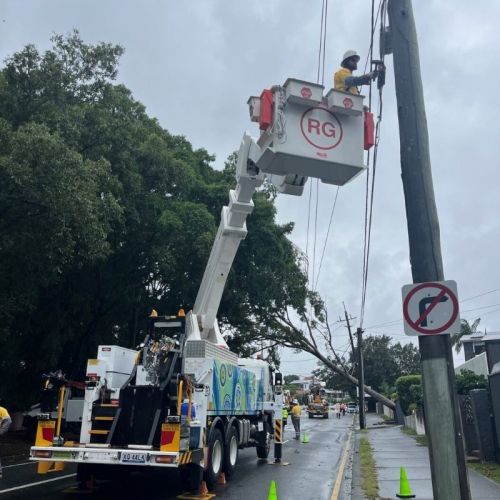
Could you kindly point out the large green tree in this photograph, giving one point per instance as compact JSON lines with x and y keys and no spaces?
{"x":105,"y":214}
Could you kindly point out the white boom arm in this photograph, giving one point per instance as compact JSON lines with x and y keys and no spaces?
{"x":311,"y":135}
{"x":232,"y":230}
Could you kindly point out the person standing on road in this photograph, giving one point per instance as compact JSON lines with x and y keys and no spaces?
{"x":337,"y":410}
{"x":296,"y":411}
{"x":5,"y":422}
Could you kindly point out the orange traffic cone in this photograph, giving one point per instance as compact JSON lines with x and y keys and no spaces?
{"x":404,"y":485}
{"x":203,"y":494}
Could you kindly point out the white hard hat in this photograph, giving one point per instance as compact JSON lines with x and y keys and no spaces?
{"x":350,"y":53}
{"x":295,"y":402}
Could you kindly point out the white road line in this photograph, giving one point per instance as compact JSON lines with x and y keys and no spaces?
{"x":17,"y":465}
{"x":23,"y":486}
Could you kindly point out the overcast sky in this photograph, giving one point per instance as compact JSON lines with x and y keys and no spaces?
{"x":194,"y":63}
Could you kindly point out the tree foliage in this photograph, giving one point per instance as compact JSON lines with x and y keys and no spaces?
{"x":409,"y":391}
{"x":466,"y":328}
{"x":384,"y":362}
{"x":290,"y":378}
{"x":105,"y":214}
{"x":467,"y":380}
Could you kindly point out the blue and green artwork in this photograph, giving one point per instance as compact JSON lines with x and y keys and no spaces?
{"x":233,"y":389}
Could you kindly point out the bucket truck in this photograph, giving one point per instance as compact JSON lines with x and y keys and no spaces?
{"x":184,"y":400}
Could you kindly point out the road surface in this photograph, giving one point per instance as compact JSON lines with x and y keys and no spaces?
{"x":311,"y":474}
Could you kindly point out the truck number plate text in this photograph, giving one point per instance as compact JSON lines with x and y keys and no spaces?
{"x":133,"y":458}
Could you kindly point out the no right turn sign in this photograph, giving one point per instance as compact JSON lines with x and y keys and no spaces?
{"x":431,"y":308}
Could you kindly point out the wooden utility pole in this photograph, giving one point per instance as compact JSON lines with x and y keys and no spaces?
{"x":361,"y":380}
{"x":349,"y":328}
{"x":361,"y":369}
{"x":443,"y":424}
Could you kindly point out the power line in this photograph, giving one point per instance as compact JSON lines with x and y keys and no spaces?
{"x":315,"y":232}
{"x":398,"y":321}
{"x":326,"y":238}
{"x":321,"y":64}
{"x":480,"y":308}
{"x":480,"y":295}
{"x":369,"y":213}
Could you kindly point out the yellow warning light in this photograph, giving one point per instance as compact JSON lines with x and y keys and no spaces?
{"x":153,"y":314}
{"x":181,"y":313}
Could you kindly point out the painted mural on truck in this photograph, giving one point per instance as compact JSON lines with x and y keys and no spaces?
{"x":234,"y":389}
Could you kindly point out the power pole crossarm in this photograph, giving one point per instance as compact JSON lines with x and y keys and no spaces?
{"x":349,"y":329}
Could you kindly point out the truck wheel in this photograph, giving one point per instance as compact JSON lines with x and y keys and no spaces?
{"x":310,"y":415}
{"x":326,"y":415}
{"x":231,"y":452}
{"x":215,"y":458}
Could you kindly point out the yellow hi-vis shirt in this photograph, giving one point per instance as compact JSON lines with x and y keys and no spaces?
{"x":339,"y":81}
{"x":296,"y":411}
{"x":3,"y":413}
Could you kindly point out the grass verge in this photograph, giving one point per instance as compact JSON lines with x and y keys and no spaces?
{"x":489,"y":469}
{"x":421,"y":440}
{"x":368,"y":469}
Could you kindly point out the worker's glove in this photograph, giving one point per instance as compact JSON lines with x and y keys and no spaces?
{"x":373,"y":75}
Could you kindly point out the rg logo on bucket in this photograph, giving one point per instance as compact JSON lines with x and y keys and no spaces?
{"x":321,"y":128}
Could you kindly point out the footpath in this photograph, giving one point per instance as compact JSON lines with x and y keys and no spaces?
{"x":393,"y":449}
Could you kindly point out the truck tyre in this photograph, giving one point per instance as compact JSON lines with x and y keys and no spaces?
{"x":264,"y":448}
{"x":326,"y":415}
{"x":215,"y":458}
{"x":231,"y":451}
{"x":310,"y":415}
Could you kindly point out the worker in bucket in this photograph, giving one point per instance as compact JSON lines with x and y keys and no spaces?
{"x":5,"y":422}
{"x":296,"y":411}
{"x":344,"y":79}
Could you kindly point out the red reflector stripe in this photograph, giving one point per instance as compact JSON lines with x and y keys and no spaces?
{"x":167,"y":437}
{"x":48,"y":433}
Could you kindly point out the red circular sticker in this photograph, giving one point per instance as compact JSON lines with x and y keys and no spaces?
{"x":306,"y":92}
{"x":348,"y":103}
{"x":321,"y":128}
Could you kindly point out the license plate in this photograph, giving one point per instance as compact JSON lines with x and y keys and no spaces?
{"x":133,"y":458}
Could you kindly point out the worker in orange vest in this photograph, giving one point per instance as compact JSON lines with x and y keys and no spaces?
{"x":345,"y":81}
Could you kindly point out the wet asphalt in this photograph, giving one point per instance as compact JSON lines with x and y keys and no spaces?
{"x":310,"y":475}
